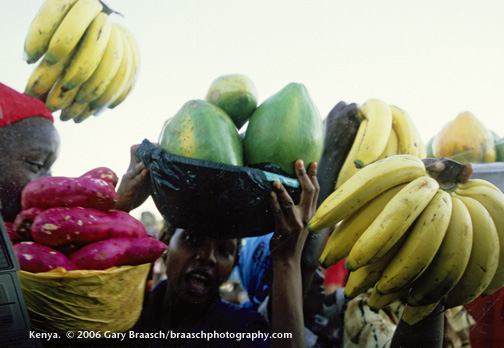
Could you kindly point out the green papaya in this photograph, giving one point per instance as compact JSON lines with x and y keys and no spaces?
{"x":428,"y":148}
{"x":236,"y":94}
{"x":499,"y":147}
{"x":285,"y":127}
{"x":202,"y":131}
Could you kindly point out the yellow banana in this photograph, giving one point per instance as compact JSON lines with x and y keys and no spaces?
{"x":493,"y":202}
{"x":88,"y":111}
{"x":377,"y":132}
{"x":44,"y":76}
{"x":413,"y":314}
{"x":422,"y":150}
{"x":392,"y":222}
{"x":477,"y":183}
{"x":377,"y":300}
{"x":106,"y":70}
{"x":43,"y":26}
{"x":420,"y":247}
{"x":406,"y":131}
{"x":450,"y":262}
{"x":348,"y":168}
{"x":366,"y":184}
{"x":392,"y":147}
{"x":365,"y":277}
{"x":89,"y":52}
{"x":350,"y":229}
{"x":59,"y":97}
{"x":484,"y":257}
{"x":136,"y":68}
{"x":120,"y":80}
{"x":72,"y":28}
{"x":72,"y":110}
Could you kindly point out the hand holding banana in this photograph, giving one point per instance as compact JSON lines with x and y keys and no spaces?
{"x":87,"y":63}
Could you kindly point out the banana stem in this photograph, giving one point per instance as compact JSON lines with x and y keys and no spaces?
{"x":108,"y":10}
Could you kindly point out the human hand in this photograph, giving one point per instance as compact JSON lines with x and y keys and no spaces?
{"x":291,"y":220}
{"x":132,"y":188}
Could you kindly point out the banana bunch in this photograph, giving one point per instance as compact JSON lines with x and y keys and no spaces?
{"x":409,"y":237}
{"x":86,"y":63}
{"x":384,"y":130}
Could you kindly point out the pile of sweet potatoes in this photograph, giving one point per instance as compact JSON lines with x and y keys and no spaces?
{"x":70,"y":222}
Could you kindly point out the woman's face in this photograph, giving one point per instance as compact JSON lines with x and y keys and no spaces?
{"x":28,"y":149}
{"x":198,"y":265}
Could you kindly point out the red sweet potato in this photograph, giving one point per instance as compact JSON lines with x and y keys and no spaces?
{"x":68,"y":248}
{"x":23,"y":221}
{"x":117,"y":252}
{"x":34,"y":257}
{"x":11,"y":232}
{"x":61,"y":225}
{"x":60,"y":191}
{"x":103,"y":173}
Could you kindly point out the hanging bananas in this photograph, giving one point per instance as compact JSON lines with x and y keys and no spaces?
{"x":422,"y":243}
{"x":82,"y":52}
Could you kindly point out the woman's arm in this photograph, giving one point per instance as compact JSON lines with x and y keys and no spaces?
{"x":286,"y":248}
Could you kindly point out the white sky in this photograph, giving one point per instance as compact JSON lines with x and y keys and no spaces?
{"x":432,"y":58}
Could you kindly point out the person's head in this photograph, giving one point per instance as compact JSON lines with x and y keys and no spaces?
{"x":29,"y":146}
{"x":196,"y":265}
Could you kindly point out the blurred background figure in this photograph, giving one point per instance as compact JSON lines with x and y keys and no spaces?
{"x":152,"y":225}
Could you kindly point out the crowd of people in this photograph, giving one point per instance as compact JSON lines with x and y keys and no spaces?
{"x":287,"y":298}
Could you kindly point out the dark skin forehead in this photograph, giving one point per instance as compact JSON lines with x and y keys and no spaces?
{"x":30,"y":132}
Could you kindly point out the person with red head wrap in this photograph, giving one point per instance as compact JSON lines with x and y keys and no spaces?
{"x":29,"y":145}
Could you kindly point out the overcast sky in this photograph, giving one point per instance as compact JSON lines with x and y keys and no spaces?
{"x":432,"y":58}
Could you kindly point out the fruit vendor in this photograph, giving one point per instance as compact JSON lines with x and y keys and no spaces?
{"x":188,"y":301}
{"x":29,"y":145}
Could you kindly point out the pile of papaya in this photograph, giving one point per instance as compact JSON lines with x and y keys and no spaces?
{"x":228,"y":126}
{"x":71,"y":223}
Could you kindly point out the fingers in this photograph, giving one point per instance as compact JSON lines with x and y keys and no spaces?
{"x":276,"y":207}
{"x":433,"y":164}
{"x":309,"y":185}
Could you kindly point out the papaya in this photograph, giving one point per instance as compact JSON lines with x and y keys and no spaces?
{"x":236,"y":94}
{"x":466,"y":140}
{"x":285,"y":127}
{"x":202,"y":131}
{"x":499,"y":147}
{"x":428,"y":148}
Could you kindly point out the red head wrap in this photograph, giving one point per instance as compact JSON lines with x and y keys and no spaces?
{"x":15,"y":106}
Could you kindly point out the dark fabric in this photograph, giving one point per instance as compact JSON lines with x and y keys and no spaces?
{"x":222,"y":318}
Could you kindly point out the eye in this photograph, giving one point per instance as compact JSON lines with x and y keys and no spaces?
{"x":226,"y":250}
{"x":35,"y":166}
{"x":191,"y":238}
